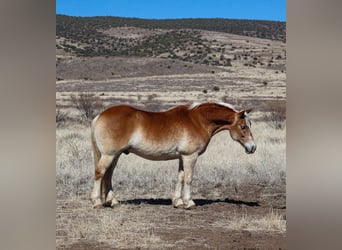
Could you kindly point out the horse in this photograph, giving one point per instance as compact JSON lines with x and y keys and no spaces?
{"x":182,"y":132}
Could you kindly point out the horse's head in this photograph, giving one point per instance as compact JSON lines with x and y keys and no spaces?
{"x":240,"y":131}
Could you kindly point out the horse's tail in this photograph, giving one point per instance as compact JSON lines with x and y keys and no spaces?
{"x":96,"y":151}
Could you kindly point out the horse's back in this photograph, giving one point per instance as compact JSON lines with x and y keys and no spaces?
{"x":124,"y":125}
{"x":120,"y":120}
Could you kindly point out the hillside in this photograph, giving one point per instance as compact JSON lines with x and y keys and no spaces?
{"x":93,"y":48}
{"x":110,"y":36}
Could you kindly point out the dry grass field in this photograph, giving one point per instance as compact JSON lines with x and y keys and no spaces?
{"x":235,"y":192}
{"x":241,"y":199}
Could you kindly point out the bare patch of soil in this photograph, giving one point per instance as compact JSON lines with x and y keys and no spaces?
{"x":101,"y":68}
{"x":146,"y":223}
{"x":132,"y":32}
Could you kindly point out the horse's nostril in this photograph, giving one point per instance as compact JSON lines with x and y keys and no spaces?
{"x":250,"y":147}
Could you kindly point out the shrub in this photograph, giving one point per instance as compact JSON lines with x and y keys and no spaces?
{"x":151,"y":96}
{"x":228,"y":62}
{"x":88,"y":104}
{"x":61,"y":117}
{"x":276,"y":114}
{"x":216,"y":88}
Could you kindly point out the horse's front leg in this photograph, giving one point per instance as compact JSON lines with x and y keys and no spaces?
{"x":188,"y":163}
{"x":177,"y":198}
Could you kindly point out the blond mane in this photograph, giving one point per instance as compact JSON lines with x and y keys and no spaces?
{"x":197,"y":104}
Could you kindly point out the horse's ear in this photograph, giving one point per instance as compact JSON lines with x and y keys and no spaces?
{"x":243,"y":113}
{"x":248,"y":110}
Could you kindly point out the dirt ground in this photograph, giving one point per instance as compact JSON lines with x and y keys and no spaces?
{"x":170,"y":228}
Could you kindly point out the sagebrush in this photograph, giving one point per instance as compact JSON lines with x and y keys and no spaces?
{"x":88,"y":104}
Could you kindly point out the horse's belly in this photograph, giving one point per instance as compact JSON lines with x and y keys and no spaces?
{"x":152,"y":148}
{"x":156,"y":154}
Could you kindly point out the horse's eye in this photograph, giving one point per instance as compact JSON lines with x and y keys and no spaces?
{"x":243,"y":127}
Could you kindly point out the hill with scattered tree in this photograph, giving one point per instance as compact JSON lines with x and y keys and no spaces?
{"x":108,"y":36}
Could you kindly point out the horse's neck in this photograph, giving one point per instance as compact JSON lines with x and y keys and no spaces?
{"x":216,"y":117}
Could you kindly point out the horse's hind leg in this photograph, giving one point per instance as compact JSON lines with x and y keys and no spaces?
{"x":177,"y":198}
{"x":100,"y":169}
{"x":107,"y":184}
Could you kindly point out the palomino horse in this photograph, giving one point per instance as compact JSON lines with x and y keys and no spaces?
{"x":180,"y":133}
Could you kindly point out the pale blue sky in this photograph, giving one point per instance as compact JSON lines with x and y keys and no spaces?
{"x":162,"y":9}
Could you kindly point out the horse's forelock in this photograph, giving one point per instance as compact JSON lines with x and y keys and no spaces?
{"x":247,"y":120}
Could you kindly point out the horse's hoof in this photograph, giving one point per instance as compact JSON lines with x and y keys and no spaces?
{"x":97,"y":204}
{"x":178,"y":203}
{"x":190,"y":205}
{"x":114,"y":203}
{"x":109,"y":199}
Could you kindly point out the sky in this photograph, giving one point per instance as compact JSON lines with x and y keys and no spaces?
{"x":166,"y":9}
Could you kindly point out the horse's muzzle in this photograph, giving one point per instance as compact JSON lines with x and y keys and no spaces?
{"x":250,"y":147}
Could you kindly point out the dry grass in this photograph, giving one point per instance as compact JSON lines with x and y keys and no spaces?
{"x":120,"y":229}
{"x":271,"y":222}
{"x":224,"y":165}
